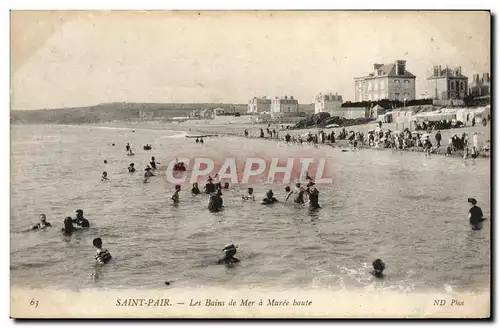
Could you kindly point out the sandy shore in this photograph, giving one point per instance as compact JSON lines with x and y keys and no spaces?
{"x":254,"y":131}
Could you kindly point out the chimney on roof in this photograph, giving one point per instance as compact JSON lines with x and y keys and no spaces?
{"x":436,"y":71}
{"x":440,"y":70}
{"x":486,"y":77}
{"x":459,"y":70}
{"x":400,"y":67}
{"x":376,"y":67}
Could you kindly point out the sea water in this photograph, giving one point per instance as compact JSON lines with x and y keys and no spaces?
{"x":409,"y":210}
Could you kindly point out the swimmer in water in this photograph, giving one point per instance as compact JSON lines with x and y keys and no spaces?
{"x":197,"y":140}
{"x":269,"y":198}
{"x":229,"y":252}
{"x":201,"y":140}
{"x":313,"y":202}
{"x":378,"y":268}
{"x":102,"y":256}
{"x":310,"y":181}
{"x":209,"y":186}
{"x":131,"y":168}
{"x":217,"y":182}
{"x":250,"y":195}
{"x":104,"y":177}
{"x":153,"y":163}
{"x":43,"y":223}
{"x":105,"y":161}
{"x":175,"y":196}
{"x":127,"y":147}
{"x":226,"y":185}
{"x":215,"y":202}
{"x":80,"y":221}
{"x":475,"y":215}
{"x":68,"y":226}
{"x":148,"y":173}
{"x":195,"y":190}
{"x":299,"y":194}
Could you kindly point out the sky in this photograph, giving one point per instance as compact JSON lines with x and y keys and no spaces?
{"x":81,"y":58}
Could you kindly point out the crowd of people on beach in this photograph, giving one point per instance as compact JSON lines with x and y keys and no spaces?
{"x":379,"y":138}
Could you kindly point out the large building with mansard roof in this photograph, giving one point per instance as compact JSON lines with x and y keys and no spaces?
{"x":387,"y":81}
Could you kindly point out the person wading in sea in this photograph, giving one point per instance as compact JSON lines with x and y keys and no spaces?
{"x":43,"y":223}
{"x":195,"y":190}
{"x":215,"y":202}
{"x":475,"y":215}
{"x":80,"y":221}
{"x":229,"y":252}
{"x":102,"y":256}
{"x":269,"y":198}
{"x":378,"y":268}
{"x":175,"y":196}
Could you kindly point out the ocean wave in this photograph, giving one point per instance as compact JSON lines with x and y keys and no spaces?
{"x":175,"y":136}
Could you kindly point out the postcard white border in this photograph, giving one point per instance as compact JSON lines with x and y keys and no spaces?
{"x":218,"y":4}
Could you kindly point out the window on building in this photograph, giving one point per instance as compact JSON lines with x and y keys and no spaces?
{"x":397,"y":82}
{"x":396,"y":96}
{"x":382,"y":85}
{"x":452,"y":85}
{"x":462,"y":86}
{"x":406,"y":83}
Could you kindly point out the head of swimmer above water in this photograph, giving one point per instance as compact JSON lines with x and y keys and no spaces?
{"x":43,"y":218}
{"x":269,"y":194}
{"x":177,"y":188}
{"x":250,"y":191}
{"x":226,"y":185}
{"x":97,"y":242}
{"x":287,"y":189}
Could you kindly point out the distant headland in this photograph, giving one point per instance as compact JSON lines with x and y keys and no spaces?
{"x":116,"y":111}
